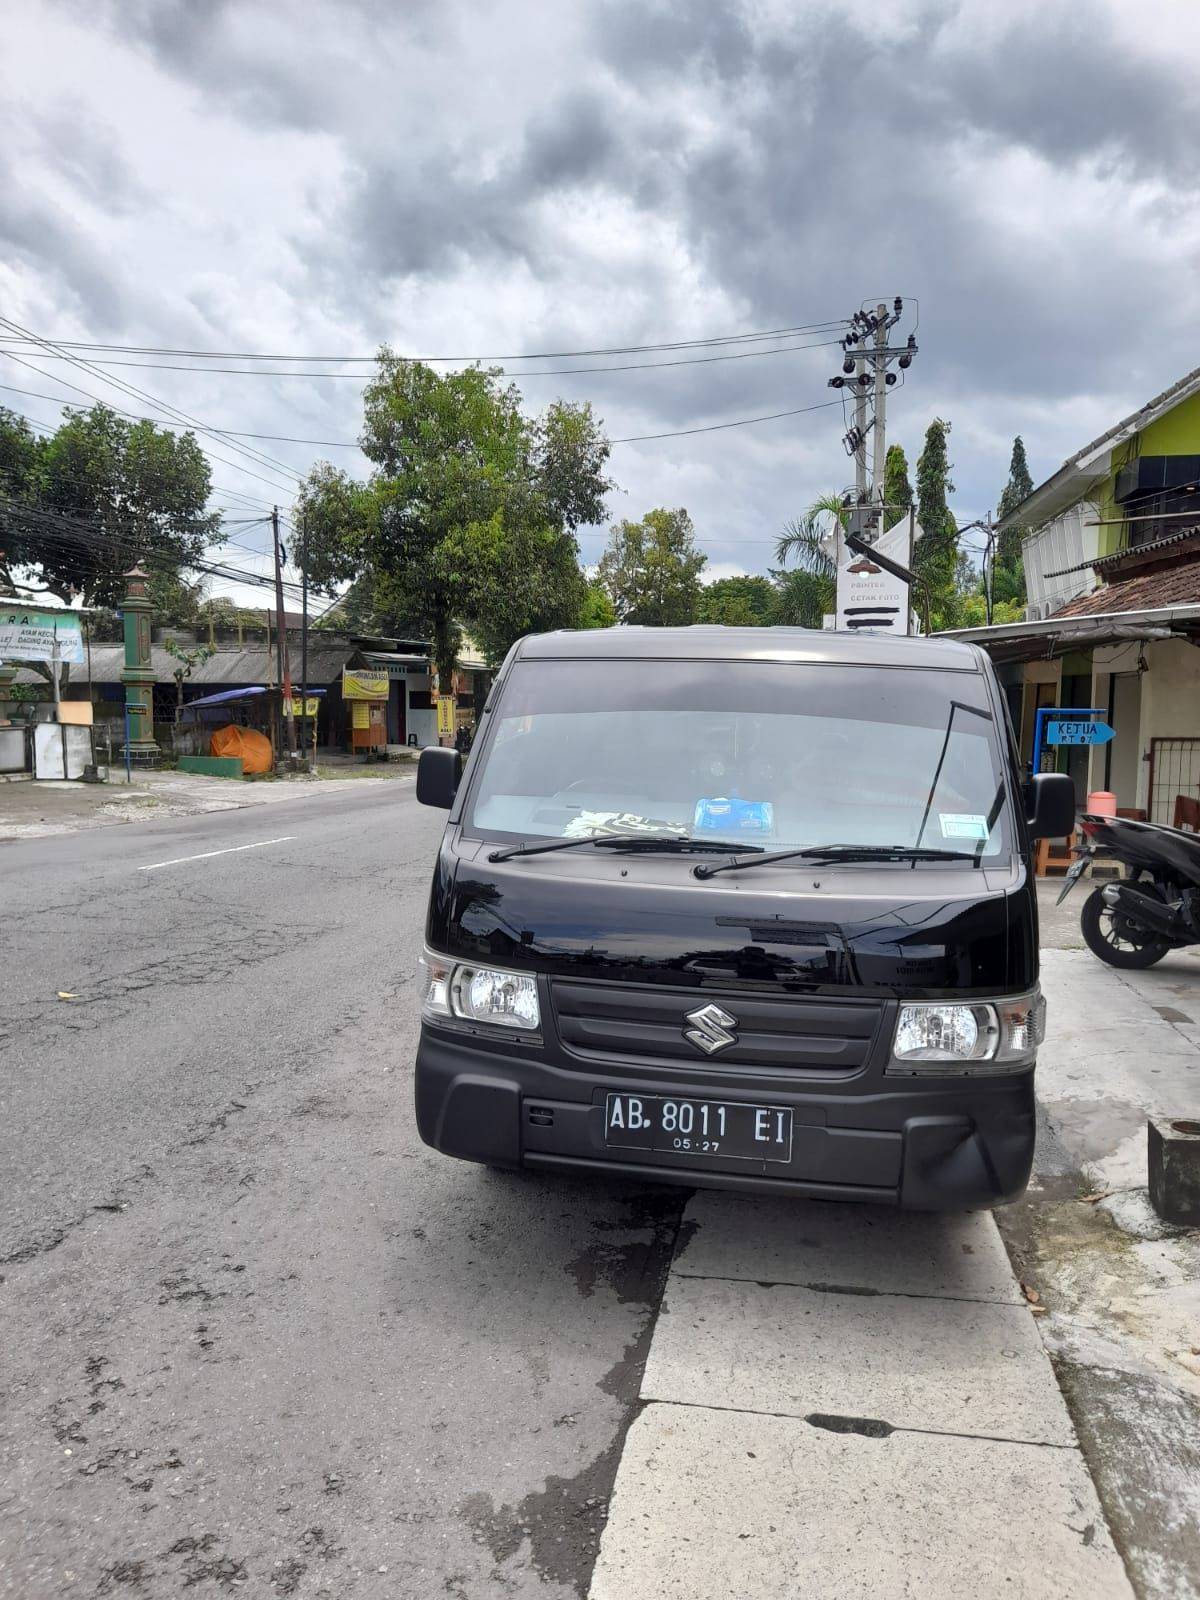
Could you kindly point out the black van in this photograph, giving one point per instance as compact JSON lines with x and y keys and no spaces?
{"x":744,"y":908}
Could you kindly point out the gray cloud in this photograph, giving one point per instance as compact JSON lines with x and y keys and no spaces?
{"x":48,"y":241}
{"x":626,"y":171}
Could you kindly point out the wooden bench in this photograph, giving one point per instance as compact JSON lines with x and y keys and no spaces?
{"x":1187,"y":813}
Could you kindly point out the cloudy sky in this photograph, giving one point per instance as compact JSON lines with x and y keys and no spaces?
{"x":459,"y":178}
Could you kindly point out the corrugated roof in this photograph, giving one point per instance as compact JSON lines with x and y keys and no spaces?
{"x":325,"y":663}
{"x":1174,"y":586}
{"x":1134,"y":552}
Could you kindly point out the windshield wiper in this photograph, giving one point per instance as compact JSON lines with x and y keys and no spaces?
{"x":841,"y":853}
{"x":671,"y":843}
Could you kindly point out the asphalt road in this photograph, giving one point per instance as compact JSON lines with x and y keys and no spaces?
{"x":256,"y":1338}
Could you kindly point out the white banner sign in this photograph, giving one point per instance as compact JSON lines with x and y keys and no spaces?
{"x":869,"y":597}
{"x":29,"y":634}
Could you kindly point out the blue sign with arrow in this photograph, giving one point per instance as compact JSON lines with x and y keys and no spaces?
{"x":1063,"y":732}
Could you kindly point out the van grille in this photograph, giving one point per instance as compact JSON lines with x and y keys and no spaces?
{"x":608,"y":1022}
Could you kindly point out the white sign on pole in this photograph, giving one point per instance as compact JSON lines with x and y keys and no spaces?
{"x":869,"y":597}
{"x":30,"y":633}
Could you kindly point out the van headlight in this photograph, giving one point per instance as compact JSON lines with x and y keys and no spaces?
{"x":478,"y":994}
{"x":937,"y":1037}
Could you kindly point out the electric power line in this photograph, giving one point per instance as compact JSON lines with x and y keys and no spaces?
{"x":346,"y":444}
{"x":141,"y":394}
{"x":64,"y":532}
{"x":95,"y":398}
{"x":716,"y":427}
{"x":540,"y":355}
{"x":48,"y":428}
{"x":361,"y":377}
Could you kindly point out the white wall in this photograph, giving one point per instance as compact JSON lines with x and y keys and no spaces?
{"x":1162,"y":702}
{"x":1170,"y":705}
{"x":1065,"y":542}
{"x":421,"y":723}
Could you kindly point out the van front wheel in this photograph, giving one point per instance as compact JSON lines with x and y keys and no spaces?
{"x":1115,"y":939}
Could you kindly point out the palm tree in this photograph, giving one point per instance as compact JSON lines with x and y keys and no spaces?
{"x":809,"y":593}
{"x":808,"y":538}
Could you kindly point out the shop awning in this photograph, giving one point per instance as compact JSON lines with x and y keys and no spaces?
{"x":247,"y":693}
{"x":1057,"y":635}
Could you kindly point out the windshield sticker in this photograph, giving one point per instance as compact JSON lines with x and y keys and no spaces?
{"x":723,"y":814}
{"x":962,"y":825}
{"x":602,"y":823}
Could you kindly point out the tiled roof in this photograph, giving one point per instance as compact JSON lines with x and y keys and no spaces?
{"x":1178,"y":585}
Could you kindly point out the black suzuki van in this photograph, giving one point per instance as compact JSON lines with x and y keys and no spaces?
{"x":743,"y":908}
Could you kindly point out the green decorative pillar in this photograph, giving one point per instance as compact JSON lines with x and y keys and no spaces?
{"x":138,"y":675}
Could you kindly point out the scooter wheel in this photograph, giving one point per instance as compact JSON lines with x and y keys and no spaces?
{"x":1114,"y":939}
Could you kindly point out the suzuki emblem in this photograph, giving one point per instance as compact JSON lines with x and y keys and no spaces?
{"x":711,"y":1029}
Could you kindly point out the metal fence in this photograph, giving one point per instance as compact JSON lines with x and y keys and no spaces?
{"x":1174,"y":770}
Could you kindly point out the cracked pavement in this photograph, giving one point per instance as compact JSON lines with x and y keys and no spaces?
{"x":257,"y":1339}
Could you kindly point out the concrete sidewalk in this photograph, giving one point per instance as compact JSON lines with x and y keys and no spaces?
{"x":842,"y":1401}
{"x":846,"y":1401}
{"x":1121,"y":1288}
{"x":43,"y":809}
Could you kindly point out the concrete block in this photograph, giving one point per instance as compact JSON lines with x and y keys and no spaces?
{"x":710,"y":1505}
{"x":213,"y":766}
{"x":859,"y":1247}
{"x":1173,"y":1151}
{"x":954,"y":1366}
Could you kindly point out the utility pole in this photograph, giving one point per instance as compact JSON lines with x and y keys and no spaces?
{"x":989,"y":567}
{"x":865,"y":366}
{"x":860,"y":425}
{"x":304,"y":623}
{"x":285,"y":675}
{"x":872,"y":386}
{"x":878,"y":493}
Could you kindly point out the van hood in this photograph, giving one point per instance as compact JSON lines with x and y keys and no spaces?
{"x":879,"y":928}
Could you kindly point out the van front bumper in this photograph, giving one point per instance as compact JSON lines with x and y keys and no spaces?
{"x":933,"y":1144}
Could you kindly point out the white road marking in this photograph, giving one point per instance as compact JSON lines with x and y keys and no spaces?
{"x":205,"y":854}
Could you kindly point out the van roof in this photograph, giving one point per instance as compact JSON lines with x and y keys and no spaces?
{"x":707,"y":643}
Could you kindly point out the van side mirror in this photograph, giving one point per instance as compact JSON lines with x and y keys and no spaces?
{"x":438,"y":774}
{"x":1050,"y":805}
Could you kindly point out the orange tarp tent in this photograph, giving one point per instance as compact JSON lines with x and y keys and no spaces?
{"x":254,"y":748}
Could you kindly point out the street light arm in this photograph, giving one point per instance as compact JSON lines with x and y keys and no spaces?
{"x":861,"y":548}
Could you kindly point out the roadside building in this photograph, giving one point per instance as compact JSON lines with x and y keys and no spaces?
{"x":243,"y":667}
{"x":1112,"y":570}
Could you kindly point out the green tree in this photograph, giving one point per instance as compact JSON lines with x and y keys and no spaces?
{"x":741,"y":602}
{"x":897,"y":490}
{"x":651,"y":569}
{"x":804,"y":597}
{"x":187,"y":662}
{"x":598,"y":610}
{"x":18,"y":462}
{"x":530,"y":576}
{"x":1009,"y":575}
{"x":469,"y":514}
{"x":809,"y":540}
{"x":935,"y":557}
{"x":79,"y":508}
{"x":973,"y":611}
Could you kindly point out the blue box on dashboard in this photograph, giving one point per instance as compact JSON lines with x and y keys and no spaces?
{"x":723,"y":814}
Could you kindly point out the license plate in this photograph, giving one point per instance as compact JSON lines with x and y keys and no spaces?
{"x":699,"y":1127}
{"x":1072,"y":877}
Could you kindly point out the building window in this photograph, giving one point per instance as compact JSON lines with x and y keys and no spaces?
{"x":1158,"y":515}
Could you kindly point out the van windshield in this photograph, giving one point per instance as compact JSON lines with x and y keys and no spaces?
{"x":779,"y":754}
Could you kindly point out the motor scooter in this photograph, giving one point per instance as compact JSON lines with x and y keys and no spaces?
{"x":1156,"y":908}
